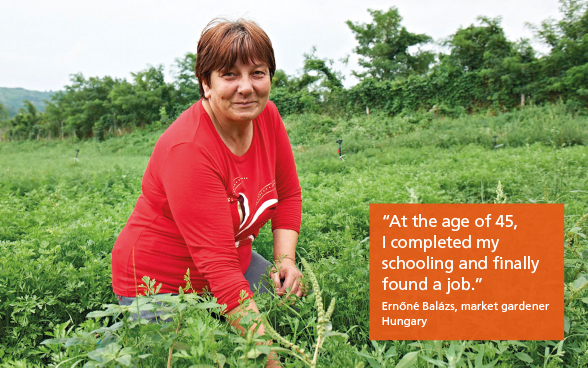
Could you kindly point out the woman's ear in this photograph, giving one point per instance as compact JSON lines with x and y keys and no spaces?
{"x":206,"y":90}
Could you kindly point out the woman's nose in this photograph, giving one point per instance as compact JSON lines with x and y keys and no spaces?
{"x":245,"y":86}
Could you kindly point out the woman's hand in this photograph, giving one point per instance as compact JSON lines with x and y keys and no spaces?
{"x":234,"y":316}
{"x":287,"y":271}
{"x":273,"y":361}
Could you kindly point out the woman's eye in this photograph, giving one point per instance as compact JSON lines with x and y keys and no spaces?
{"x":228,"y":74}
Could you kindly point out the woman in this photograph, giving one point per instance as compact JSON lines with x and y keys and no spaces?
{"x":216,"y":176}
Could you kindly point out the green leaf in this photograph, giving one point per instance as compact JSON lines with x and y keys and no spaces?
{"x":220,"y":359}
{"x":480,"y":357}
{"x":165,"y":317}
{"x":560,"y":347}
{"x":146,"y":307}
{"x":390,"y":353}
{"x":579,"y":282}
{"x":576,"y":230}
{"x":181,"y":346}
{"x":77,"y":362}
{"x":436,"y":362}
{"x":61,"y":341}
{"x":517,"y":343}
{"x":112,"y":328}
{"x":279,"y":349}
{"x":524,"y":357}
{"x":337,"y":336}
{"x":373,"y":363}
{"x":363,"y":354}
{"x":490,"y":365}
{"x":168,"y":298}
{"x":408,"y":360}
{"x":208,"y":305}
{"x":567,"y":324}
{"x":124,"y":360}
{"x":257,"y":351}
{"x":98,"y":314}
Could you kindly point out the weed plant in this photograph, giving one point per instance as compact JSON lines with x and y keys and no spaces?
{"x":59,"y":219}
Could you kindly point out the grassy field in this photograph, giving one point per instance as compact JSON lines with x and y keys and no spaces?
{"x":59,"y":218}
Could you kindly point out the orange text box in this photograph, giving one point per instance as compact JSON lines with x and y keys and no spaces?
{"x":466,"y":271}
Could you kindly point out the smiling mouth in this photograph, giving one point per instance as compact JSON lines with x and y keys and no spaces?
{"x":245,"y":104}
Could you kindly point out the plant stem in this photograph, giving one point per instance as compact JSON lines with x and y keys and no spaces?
{"x":171,"y":348}
{"x":318,"y":346}
{"x":67,"y":360}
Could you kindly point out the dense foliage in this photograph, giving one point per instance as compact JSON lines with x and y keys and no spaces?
{"x":480,"y":71}
{"x":59,"y":218}
{"x":384,"y":44}
{"x":96,"y":107}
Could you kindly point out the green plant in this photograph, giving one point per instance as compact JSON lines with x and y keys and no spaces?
{"x":323,"y":327}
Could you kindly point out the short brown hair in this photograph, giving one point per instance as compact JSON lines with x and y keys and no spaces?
{"x":223,"y":41}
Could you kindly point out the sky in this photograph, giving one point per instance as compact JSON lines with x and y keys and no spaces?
{"x":44,"y":42}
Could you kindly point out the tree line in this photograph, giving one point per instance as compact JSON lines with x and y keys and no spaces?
{"x":479,"y":70}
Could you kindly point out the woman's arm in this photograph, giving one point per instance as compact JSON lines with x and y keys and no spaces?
{"x":285,"y":258}
{"x":288,"y":213}
{"x":287,"y":218}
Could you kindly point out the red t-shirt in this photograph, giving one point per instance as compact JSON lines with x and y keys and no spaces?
{"x":201,"y":207}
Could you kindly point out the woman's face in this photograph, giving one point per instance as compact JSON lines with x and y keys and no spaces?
{"x":240,"y":93}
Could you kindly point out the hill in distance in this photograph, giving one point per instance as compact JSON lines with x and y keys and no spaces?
{"x":12,"y":99}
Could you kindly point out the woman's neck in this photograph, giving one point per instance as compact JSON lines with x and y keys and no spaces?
{"x":236,"y":136}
